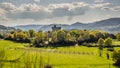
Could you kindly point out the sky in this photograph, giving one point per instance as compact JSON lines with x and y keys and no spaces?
{"x":23,"y":12}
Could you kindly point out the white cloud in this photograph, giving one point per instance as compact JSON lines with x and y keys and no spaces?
{"x":38,"y":12}
{"x":37,"y":1}
{"x":98,"y":0}
{"x":2,"y":12}
{"x":7,"y":6}
{"x":29,"y":11}
{"x":3,"y":15}
{"x":68,"y":9}
{"x":31,"y":7}
{"x":116,"y":8}
{"x":99,"y":5}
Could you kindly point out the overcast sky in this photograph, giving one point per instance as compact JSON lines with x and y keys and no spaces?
{"x":22,"y":12}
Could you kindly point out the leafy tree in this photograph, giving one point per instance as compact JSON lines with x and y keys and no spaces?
{"x":20,"y":36}
{"x":101,"y":42}
{"x":1,"y":36}
{"x":108,"y":42}
{"x":92,"y":37}
{"x":118,"y":36}
{"x":54,"y":37}
{"x":26,"y":37}
{"x":85,"y":35}
{"x":69,"y":39}
{"x":61,"y":36}
{"x":40,"y":37}
{"x":80,"y":39}
{"x":76,"y":34}
{"x":11,"y":36}
{"x":32,"y":33}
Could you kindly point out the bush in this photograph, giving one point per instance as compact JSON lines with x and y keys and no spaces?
{"x":116,"y":57}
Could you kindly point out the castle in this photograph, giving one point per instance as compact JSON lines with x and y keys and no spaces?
{"x":55,"y":28}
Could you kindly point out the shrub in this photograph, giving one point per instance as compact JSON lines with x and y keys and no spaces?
{"x":116,"y":57}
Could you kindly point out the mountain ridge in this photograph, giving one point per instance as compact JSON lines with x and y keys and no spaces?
{"x":110,"y":25}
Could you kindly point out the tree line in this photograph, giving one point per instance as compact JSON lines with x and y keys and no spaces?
{"x":60,"y":37}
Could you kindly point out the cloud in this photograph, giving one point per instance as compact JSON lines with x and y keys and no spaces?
{"x":38,"y":12}
{"x":37,"y":1}
{"x":98,"y":0}
{"x":116,"y":8}
{"x":67,"y":9}
{"x":2,"y":12}
{"x":7,"y":6}
{"x":3,"y":15}
{"x":102,"y":5}
{"x":29,"y":11}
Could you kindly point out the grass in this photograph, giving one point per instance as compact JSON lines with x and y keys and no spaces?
{"x":57,"y":60}
{"x":7,"y":44}
{"x":116,"y":42}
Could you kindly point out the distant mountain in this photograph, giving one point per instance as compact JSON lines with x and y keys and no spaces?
{"x":6,"y":29}
{"x":2,"y":27}
{"x":78,"y":25}
{"x":107,"y":22}
{"x":110,"y":25}
{"x":28,"y":27}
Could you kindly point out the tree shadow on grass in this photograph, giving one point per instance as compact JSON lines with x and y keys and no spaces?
{"x":116,"y":65}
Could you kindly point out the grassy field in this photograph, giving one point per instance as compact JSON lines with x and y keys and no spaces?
{"x":61,"y":57}
{"x":7,"y":44}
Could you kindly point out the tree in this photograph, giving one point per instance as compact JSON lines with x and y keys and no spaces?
{"x":32,"y":33}
{"x":101,"y":43}
{"x":61,"y":36}
{"x":11,"y":37}
{"x":40,"y":37}
{"x":75,"y":34}
{"x":92,"y":37}
{"x":20,"y":36}
{"x":108,"y":42}
{"x":69,"y":39}
{"x":116,"y":57}
{"x":80,"y":39}
{"x":85,"y":35}
{"x":118,"y":36}
{"x":54,"y":37}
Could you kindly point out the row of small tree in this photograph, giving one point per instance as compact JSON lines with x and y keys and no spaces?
{"x":105,"y":43}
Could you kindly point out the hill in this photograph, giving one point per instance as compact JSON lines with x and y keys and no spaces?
{"x":110,"y":25}
{"x":6,"y":28}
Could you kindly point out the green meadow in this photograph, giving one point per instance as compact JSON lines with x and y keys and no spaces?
{"x":16,"y":55}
